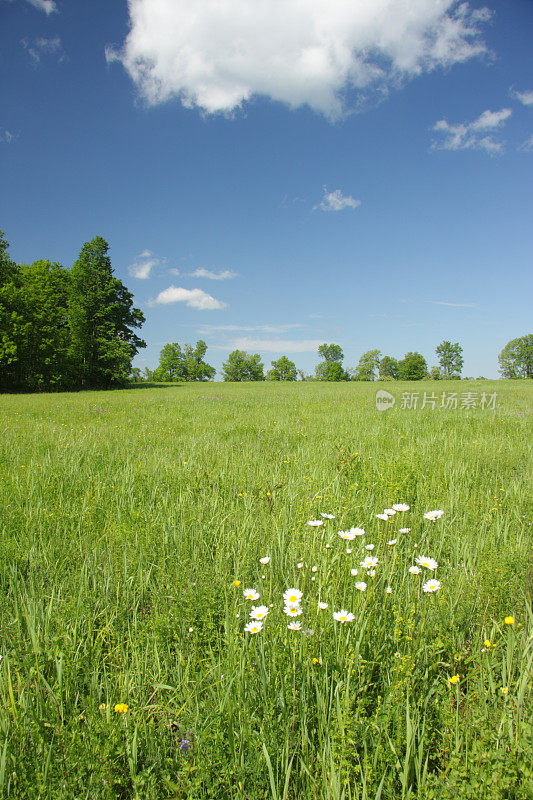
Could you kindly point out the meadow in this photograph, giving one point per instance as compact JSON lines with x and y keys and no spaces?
{"x":134,"y":522}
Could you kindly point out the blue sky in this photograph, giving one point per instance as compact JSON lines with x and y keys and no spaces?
{"x":272,"y":175}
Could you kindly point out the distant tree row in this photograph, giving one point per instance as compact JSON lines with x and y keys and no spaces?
{"x":65,"y":329}
{"x":516,"y":361}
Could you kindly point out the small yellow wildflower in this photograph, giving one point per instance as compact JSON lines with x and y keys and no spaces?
{"x":121,"y":708}
{"x":315,"y":661}
{"x":236,"y":583}
{"x":504,"y":690}
{"x":509,"y":620}
{"x":454,"y":679}
{"x":102,"y":707}
{"x":487,"y":643}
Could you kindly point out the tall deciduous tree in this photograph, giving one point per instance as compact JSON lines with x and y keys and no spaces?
{"x":388,"y":368}
{"x":176,"y":364}
{"x":412,"y":367}
{"x":331,"y":368}
{"x":516,"y":358}
{"x":367,"y":366}
{"x":450,"y":359}
{"x":282,"y":370}
{"x":102,"y":320}
{"x":241,"y":366}
{"x":13,"y":324}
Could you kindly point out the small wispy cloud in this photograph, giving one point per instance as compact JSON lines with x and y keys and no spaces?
{"x":452,"y":305}
{"x":194,"y":298}
{"x":526,"y":98}
{"x":207,"y":329}
{"x":476,"y":135}
{"x":144,"y":264}
{"x":43,"y":46}
{"x":336,"y":201}
{"x":6,"y":136}
{"x":271,"y":345}
{"x":223,"y":275}
{"x":526,"y":146}
{"x":48,"y":6}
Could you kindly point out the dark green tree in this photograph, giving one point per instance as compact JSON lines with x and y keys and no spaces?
{"x":331,"y":368}
{"x":412,"y":367}
{"x":450,"y":359}
{"x":44,"y":356}
{"x":388,"y":368}
{"x":367,"y":366}
{"x":516,"y":358}
{"x":241,"y":366}
{"x":282,"y":370}
{"x":176,"y":364}
{"x":102,"y":320}
{"x":13,"y":324}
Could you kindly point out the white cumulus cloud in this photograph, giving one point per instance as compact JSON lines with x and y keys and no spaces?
{"x":48,"y":6}
{"x":526,"y":98}
{"x":218,"y":54}
{"x":223,"y":275}
{"x":336,"y":201}
{"x":476,"y":135}
{"x":6,"y":136}
{"x":194,"y":298}
{"x":144,"y":264}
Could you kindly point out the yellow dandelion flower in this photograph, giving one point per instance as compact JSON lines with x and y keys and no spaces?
{"x":487,"y":643}
{"x":454,"y":679}
{"x":236,"y":583}
{"x":509,"y":620}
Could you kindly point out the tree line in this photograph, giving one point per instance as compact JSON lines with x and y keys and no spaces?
{"x":65,"y":328}
{"x":187,"y":364}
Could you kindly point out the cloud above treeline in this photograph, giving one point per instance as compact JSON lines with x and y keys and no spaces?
{"x":194,"y":298}
{"x":223,"y":275}
{"x":216,"y":55}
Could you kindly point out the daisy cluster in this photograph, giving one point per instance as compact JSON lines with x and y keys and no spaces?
{"x":292,"y":597}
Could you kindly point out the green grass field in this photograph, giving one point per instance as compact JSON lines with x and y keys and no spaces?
{"x":126,"y":518}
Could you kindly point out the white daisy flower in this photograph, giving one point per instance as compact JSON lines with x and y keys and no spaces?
{"x":314,"y":569}
{"x":294,"y":626}
{"x":253,"y":627}
{"x":389,"y":589}
{"x":358,"y":531}
{"x":415,"y":570}
{"x":308,"y":632}
{"x":349,"y":550}
{"x":348,"y":535}
{"x":343,"y":616}
{"x":371,"y":573}
{"x":353,"y":572}
{"x":299,"y":565}
{"x":328,"y":516}
{"x":433,"y":515}
{"x":369,"y":546}
{"x":251,"y":594}
{"x":328,"y":546}
{"x":315,"y":523}
{"x":322,"y":606}
{"x":361,"y":585}
{"x":264,"y":560}
{"x":431,"y":586}
{"x":292,"y":596}
{"x":259,"y":612}
{"x":391,"y":542}
{"x":390,"y":511}
{"x":369,"y":562}
{"x":293,"y":611}
{"x":426,"y":561}
{"x":400,"y":506}
{"x":384,"y":517}
{"x":404,"y":530}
